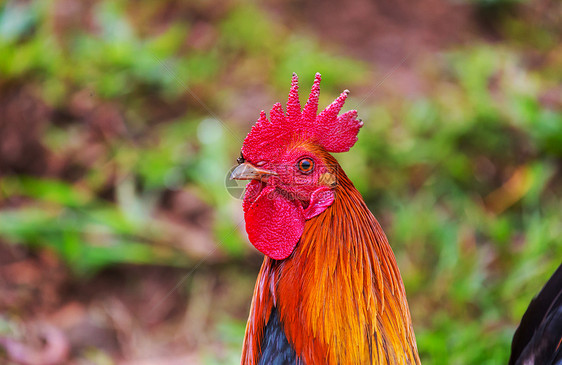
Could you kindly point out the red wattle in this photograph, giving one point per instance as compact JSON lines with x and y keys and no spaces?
{"x":274,"y":223}
{"x":253,"y":190}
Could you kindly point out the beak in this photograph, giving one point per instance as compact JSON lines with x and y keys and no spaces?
{"x":247,"y":171}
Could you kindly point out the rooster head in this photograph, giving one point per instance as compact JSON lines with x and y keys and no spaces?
{"x":292,"y":175}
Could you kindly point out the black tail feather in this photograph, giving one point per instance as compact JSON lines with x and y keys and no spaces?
{"x":538,"y":340}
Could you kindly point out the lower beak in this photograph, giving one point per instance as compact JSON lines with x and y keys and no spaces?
{"x":247,"y":171}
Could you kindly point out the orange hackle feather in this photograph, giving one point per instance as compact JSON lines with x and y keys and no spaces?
{"x":339,"y":295}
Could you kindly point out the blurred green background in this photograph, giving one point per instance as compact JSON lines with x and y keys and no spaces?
{"x":119,"y":121}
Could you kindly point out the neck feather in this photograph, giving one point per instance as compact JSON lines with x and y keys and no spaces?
{"x":339,"y":295}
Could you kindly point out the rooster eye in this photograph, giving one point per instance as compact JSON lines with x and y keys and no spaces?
{"x":306,"y":165}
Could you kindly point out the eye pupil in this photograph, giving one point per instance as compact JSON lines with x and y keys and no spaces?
{"x":305,"y":165}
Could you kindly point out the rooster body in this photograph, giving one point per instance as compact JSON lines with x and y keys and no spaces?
{"x":538,"y":339}
{"x":329,"y":290}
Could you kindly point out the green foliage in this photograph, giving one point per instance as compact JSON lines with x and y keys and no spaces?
{"x":465,"y":178}
{"x":88,"y":234}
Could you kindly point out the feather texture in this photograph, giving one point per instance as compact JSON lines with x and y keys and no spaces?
{"x":339,"y":295}
{"x":538,"y":339}
{"x":276,"y":349}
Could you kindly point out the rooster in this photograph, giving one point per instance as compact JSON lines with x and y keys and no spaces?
{"x":329,"y":290}
{"x":538,"y":339}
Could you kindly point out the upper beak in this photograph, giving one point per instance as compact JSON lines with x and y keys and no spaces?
{"x":247,"y":171}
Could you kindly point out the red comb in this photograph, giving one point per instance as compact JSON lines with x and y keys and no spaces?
{"x":268,"y":139}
